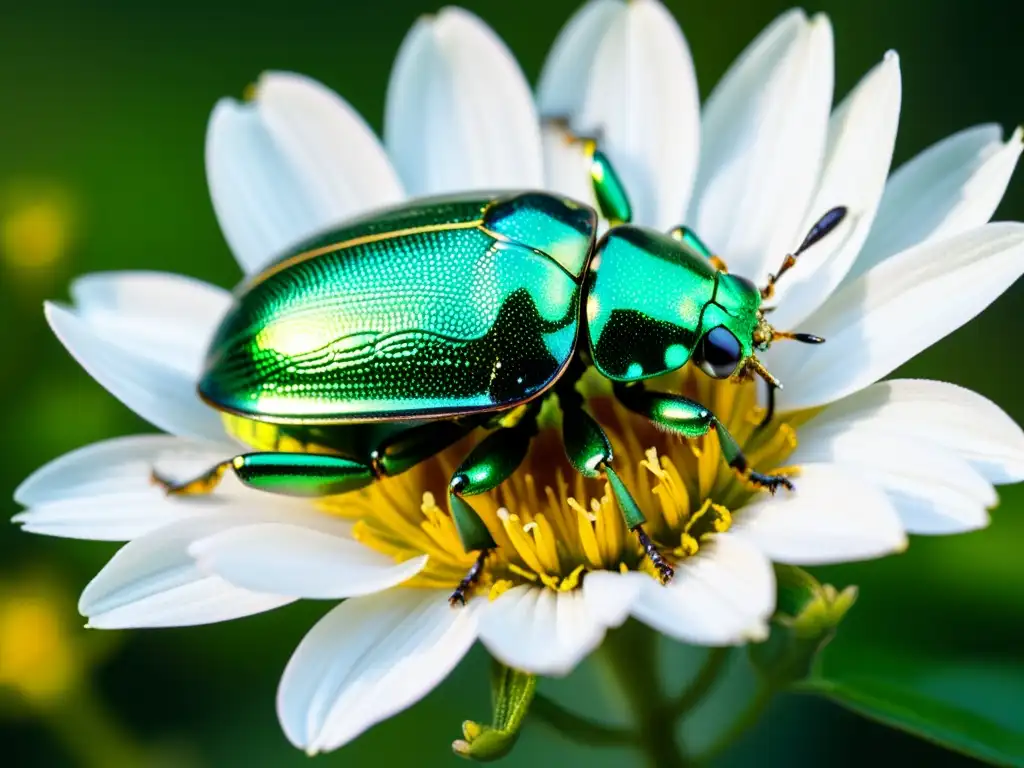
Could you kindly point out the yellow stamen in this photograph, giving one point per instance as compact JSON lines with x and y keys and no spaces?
{"x":551,"y":525}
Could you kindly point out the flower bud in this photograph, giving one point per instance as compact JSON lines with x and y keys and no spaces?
{"x":806,"y":620}
{"x":511,"y":693}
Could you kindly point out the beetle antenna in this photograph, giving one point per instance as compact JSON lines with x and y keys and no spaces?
{"x":803,"y":338}
{"x":824,"y":225}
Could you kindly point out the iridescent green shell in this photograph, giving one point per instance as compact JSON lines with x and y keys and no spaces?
{"x":434,"y":308}
{"x":652,"y":297}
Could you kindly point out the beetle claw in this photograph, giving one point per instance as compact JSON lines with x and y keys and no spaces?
{"x":770,"y":483}
{"x":458,"y":597}
{"x":658,"y":560}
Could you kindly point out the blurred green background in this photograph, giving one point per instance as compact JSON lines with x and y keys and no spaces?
{"x":101,"y":167}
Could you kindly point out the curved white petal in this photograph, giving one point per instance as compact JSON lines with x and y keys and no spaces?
{"x":926,"y":292}
{"x":546,"y":632}
{"x":722,"y":596}
{"x":566,"y":165}
{"x":368,"y":659}
{"x":153,"y":582}
{"x":861,"y":136}
{"x":292,"y":560}
{"x":764,"y":131}
{"x":143,"y":336}
{"x":561,"y":90}
{"x":292,"y":162}
{"x":833,"y":516}
{"x":103,"y":491}
{"x":957,"y":419}
{"x":459,"y":114}
{"x":933,"y":490}
{"x":622,"y":72}
{"x":167,"y":316}
{"x":951,"y":187}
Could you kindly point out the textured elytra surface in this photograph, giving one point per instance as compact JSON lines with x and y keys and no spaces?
{"x":428,"y":315}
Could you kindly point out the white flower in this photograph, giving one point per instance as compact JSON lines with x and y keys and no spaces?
{"x":913,"y":260}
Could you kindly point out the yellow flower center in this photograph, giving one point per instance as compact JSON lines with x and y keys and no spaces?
{"x":552,"y":525}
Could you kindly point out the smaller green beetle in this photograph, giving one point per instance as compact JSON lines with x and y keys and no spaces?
{"x":379,"y":344}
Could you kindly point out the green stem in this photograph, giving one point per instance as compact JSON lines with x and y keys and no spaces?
{"x":701,"y":683}
{"x":580,"y":729}
{"x":629,"y":653}
{"x":748,"y":717}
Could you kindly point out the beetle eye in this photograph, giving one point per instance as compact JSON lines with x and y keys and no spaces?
{"x":718,"y":353}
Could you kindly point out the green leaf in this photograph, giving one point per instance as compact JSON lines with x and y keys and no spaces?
{"x":956,"y":725}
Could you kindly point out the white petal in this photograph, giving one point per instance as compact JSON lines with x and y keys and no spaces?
{"x":764,"y":131}
{"x":933,"y":490}
{"x":566,"y":165}
{"x":143,"y":336}
{"x":103,"y":491}
{"x":459,"y":114}
{"x":926,"y":292}
{"x":548,"y":633}
{"x":949,"y":416}
{"x":951,"y":187}
{"x":291,"y":163}
{"x":622,"y":72}
{"x":297,"y":561}
{"x":368,"y":659}
{"x":833,"y":516}
{"x":153,"y":582}
{"x":608,"y":597}
{"x":561,"y":90}
{"x":723,"y":596}
{"x":167,"y":316}
{"x":862,"y":133}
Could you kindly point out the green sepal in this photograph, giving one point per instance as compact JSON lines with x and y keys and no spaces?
{"x":806,"y":620}
{"x":471,"y":529}
{"x":511,"y":694}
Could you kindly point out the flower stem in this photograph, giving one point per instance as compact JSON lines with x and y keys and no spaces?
{"x":747,"y":718}
{"x":701,"y":683}
{"x":629,"y":654}
{"x":577,"y":727}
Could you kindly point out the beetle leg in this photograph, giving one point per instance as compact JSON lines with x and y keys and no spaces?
{"x":488,"y":465}
{"x":691,"y":419}
{"x":590,"y":453}
{"x":689,"y":238}
{"x":610,"y":193}
{"x":290,"y":474}
{"x":316,"y":474}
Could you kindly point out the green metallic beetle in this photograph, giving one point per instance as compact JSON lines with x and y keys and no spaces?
{"x":393,"y":337}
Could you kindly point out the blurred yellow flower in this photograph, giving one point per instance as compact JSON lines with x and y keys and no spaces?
{"x":38,"y":658}
{"x":36,"y":227}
